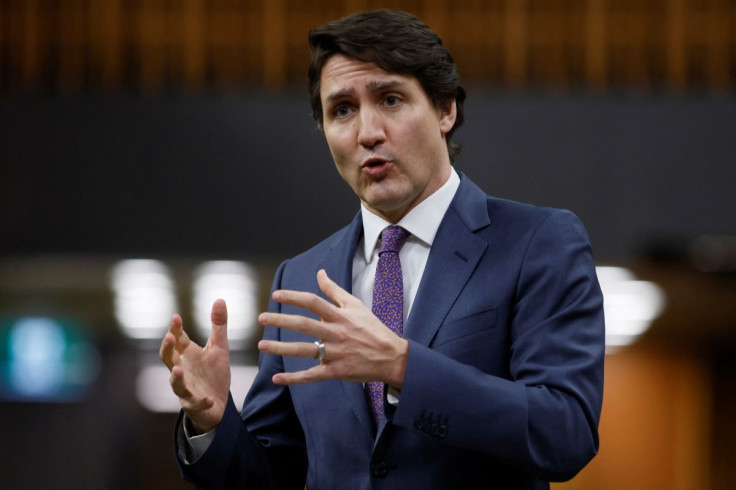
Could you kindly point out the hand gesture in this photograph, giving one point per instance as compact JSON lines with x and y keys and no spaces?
{"x":357,"y":346}
{"x":200,"y":376}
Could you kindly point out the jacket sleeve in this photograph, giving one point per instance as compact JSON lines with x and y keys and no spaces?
{"x":262,"y":447}
{"x":542,"y":418}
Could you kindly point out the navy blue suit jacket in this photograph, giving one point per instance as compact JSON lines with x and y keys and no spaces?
{"x":504,"y":378}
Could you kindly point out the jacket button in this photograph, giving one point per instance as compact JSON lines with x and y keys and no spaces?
{"x":379,"y":469}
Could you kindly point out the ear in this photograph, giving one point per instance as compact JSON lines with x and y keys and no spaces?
{"x":447,"y":115}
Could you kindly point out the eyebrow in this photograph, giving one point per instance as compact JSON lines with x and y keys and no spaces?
{"x":374,"y":86}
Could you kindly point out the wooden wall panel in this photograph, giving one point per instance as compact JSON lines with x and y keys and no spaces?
{"x":159,"y":45}
{"x":479,"y":51}
{"x":724,"y":440}
{"x":656,"y":424}
{"x":106,"y":47}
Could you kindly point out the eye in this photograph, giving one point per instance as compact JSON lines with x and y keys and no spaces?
{"x":392,"y":100}
{"x":341,"y":110}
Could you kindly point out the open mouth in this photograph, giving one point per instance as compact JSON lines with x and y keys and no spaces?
{"x":374,"y":162}
{"x":376,"y":168}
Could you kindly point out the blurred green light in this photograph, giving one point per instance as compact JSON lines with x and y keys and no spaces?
{"x":45,"y":359}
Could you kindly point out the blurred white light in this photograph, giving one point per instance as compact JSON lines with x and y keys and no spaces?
{"x":154,"y":391}
{"x":630,"y":305}
{"x":236,"y":283}
{"x":144,"y":297}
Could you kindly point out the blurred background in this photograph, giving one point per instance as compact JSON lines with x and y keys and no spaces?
{"x":156,"y":154}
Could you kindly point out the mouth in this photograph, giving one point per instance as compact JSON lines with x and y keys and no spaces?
{"x":376,"y":168}
{"x":372,"y":163}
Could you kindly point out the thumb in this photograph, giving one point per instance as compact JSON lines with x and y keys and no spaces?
{"x":218,"y":317}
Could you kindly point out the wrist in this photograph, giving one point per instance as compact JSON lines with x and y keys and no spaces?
{"x":396,"y":379}
{"x":202,"y":429}
{"x":192,"y":428}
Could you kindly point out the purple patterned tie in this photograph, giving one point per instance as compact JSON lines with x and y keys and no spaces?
{"x":388,"y":300}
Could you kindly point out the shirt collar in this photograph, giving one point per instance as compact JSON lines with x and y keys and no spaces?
{"x":422,"y":222}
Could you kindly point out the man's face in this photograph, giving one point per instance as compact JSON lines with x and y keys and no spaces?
{"x":386,"y":137}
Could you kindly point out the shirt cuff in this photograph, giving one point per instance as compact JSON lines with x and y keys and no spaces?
{"x":192,"y":447}
{"x":392,"y":395}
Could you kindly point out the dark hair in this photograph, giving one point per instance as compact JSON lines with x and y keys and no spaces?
{"x":397,"y":42}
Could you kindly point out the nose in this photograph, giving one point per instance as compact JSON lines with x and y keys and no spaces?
{"x":371,"y":131}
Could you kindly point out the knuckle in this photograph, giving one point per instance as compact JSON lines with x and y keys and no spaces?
{"x":341,"y":336}
{"x":164,"y":355}
{"x":314,"y":301}
{"x":338,"y":370}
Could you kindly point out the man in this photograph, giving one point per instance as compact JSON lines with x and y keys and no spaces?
{"x":486,"y":327}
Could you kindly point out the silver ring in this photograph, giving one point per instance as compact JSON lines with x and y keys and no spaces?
{"x":321,"y":351}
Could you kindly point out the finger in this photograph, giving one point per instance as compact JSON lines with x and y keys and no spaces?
{"x":297,"y":323}
{"x":187,"y":399}
{"x":218,"y":317}
{"x":333,"y":290}
{"x":290,"y":349}
{"x":180,"y":336}
{"x":178,"y":385}
{"x":166,"y":352}
{"x":319,"y":306}
{"x":311,"y":375}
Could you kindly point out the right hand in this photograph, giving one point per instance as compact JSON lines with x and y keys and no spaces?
{"x":200,"y":376}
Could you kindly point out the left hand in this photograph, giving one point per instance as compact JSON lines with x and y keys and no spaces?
{"x":358,"y":346}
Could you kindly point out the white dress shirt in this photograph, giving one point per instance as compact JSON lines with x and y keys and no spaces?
{"x":422,"y":223}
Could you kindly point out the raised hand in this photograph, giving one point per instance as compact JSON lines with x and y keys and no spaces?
{"x":200,"y":376}
{"x":358,"y":346}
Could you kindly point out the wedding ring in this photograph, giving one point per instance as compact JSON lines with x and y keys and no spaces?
{"x":321,"y":352}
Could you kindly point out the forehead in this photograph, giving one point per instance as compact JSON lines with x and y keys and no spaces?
{"x":342,"y":74}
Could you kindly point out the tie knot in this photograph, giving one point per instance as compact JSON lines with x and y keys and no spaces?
{"x":392,"y":239}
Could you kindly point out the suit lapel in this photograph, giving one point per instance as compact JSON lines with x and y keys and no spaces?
{"x":454,"y":255}
{"x":338,"y":263}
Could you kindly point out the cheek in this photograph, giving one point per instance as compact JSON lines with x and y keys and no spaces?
{"x":338,"y":143}
{"x":419,"y":131}
{"x":341,"y":158}
{"x":430,"y":138}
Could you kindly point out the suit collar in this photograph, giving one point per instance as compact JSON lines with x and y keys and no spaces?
{"x":452,"y":260}
{"x":470,"y":204}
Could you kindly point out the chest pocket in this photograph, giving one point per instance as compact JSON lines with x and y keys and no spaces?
{"x":465,"y":327}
